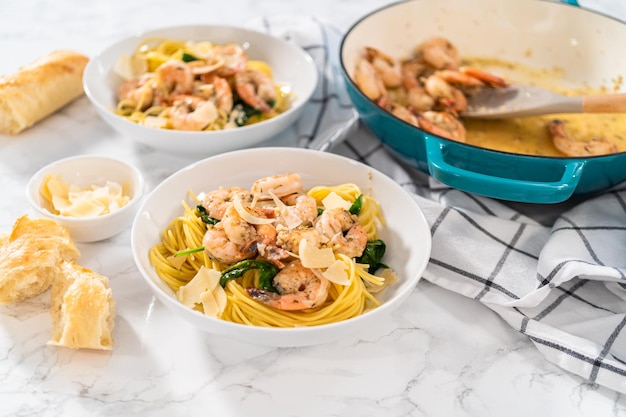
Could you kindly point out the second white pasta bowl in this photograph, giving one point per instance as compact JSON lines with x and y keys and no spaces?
{"x":405,"y":232}
{"x":292,"y":68}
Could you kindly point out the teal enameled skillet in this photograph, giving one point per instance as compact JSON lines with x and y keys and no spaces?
{"x":587,"y":45}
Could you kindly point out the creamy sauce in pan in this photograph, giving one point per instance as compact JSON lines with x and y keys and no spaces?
{"x":529,"y":135}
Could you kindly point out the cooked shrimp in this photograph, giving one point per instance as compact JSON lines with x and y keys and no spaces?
{"x":471,"y":77}
{"x":572,"y":147}
{"x":486,"y":77}
{"x":450,"y":97}
{"x":232,"y":58}
{"x":280,"y":185}
{"x":290,"y":239}
{"x":298,"y":288}
{"x":370,"y":83}
{"x":138,"y":90}
{"x":442,"y":124}
{"x":217,"y":90}
{"x":216,"y":202}
{"x":439,"y":53}
{"x":459,"y":78}
{"x":405,"y":114}
{"x":219,"y":247}
{"x":192,"y":113}
{"x":302,"y":206}
{"x":268,"y":246}
{"x":175,"y":77}
{"x":387,"y":68}
{"x":417,"y":97}
{"x":256,"y":89}
{"x":333,"y":223}
{"x":412,"y":71}
{"x":266,"y":234}
{"x":232,"y":239}
{"x":237,"y":229}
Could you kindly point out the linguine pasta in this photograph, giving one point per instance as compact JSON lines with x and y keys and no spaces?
{"x":342,"y":302}
{"x":186,"y":85}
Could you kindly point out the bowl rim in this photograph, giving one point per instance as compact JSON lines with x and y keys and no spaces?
{"x":409,"y":283}
{"x":91,"y":69}
{"x":32,"y":188}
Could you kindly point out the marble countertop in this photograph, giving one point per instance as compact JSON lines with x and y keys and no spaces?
{"x":440,"y":354}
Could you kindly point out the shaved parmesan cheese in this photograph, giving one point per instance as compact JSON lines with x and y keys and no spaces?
{"x":124,"y":68}
{"x":220,"y":298}
{"x":388,"y":277}
{"x":154,"y":121}
{"x":290,"y":219}
{"x":246,"y":215}
{"x":190,"y":294}
{"x":337,"y":272}
{"x":177,"y":261}
{"x":209,"y":304}
{"x":333,"y":200}
{"x":204,"y":289}
{"x":73,"y":201}
{"x":313,"y":257}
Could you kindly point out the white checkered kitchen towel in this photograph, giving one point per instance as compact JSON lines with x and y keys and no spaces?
{"x":560,"y":281}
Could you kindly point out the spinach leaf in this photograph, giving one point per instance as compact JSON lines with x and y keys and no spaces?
{"x":205,"y":217}
{"x":355,"y":208}
{"x":373,"y":254}
{"x":267,"y":272}
{"x":188,"y":57}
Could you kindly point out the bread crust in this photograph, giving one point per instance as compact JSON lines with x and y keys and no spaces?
{"x":30,"y":257}
{"x":39,"y":89}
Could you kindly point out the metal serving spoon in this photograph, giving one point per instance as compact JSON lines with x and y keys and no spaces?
{"x":521,"y":100}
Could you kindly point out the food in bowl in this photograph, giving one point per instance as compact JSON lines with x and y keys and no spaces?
{"x":405,"y":233}
{"x":429,"y":89}
{"x":275,"y":255}
{"x":95,"y":196}
{"x":197,"y":85}
{"x":72,"y":200}
{"x":291,"y":67}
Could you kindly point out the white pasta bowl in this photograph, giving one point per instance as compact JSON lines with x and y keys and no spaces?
{"x":291,"y":66}
{"x":406,"y":233}
{"x":85,"y":171}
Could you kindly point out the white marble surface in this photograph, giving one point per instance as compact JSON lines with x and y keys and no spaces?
{"x":439,"y":355}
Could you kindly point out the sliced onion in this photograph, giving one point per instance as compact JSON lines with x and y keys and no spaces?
{"x":246,"y":215}
{"x":205,"y":69}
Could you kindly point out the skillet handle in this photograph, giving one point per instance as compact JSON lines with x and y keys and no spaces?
{"x":524,"y":191}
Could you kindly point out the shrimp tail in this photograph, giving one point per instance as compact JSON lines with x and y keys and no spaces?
{"x":286,"y":302}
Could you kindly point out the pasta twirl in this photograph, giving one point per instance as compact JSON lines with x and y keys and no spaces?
{"x":197,"y":86}
{"x":248,"y":300}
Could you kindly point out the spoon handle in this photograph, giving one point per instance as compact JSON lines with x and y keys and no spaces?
{"x":605,"y":103}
